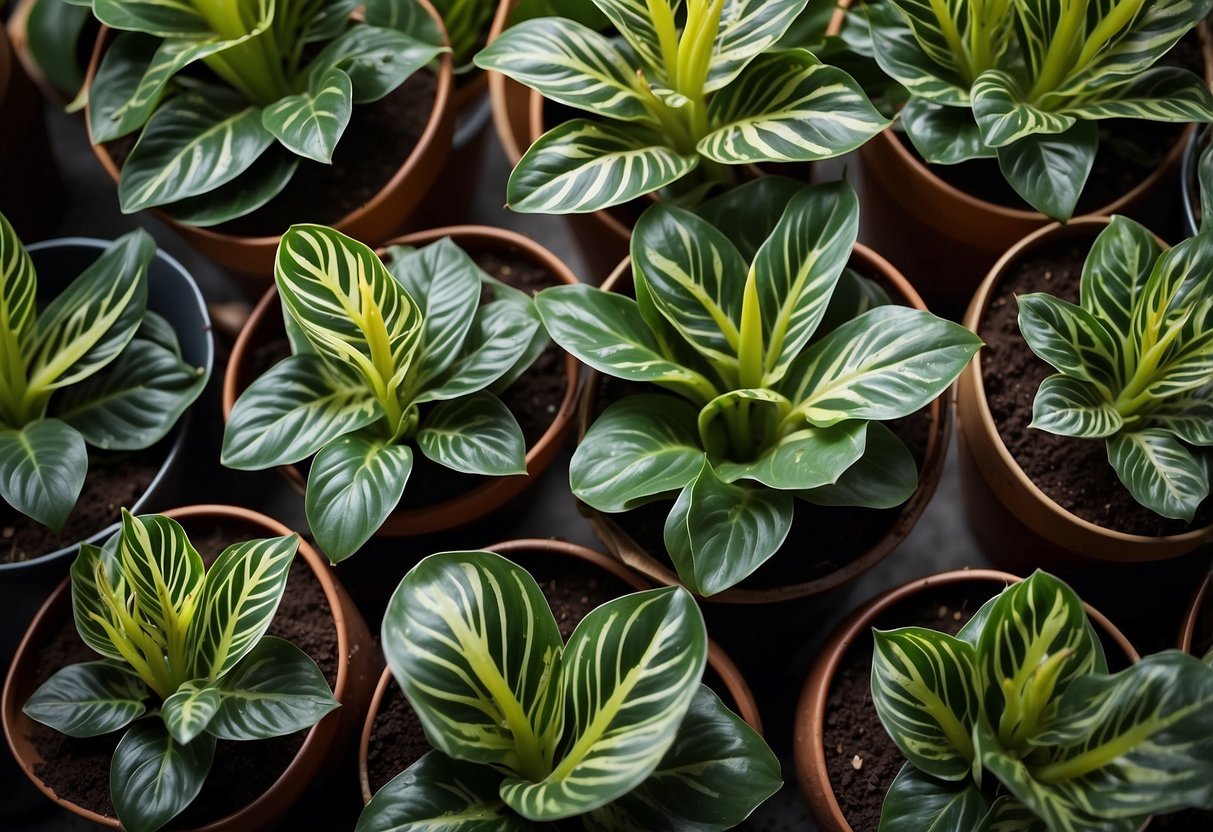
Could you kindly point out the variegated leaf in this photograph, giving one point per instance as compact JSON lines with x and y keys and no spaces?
{"x":18,"y":309}
{"x":1114,"y":274}
{"x":265,"y":179}
{"x":583,"y":166}
{"x":1005,"y":117}
{"x":95,"y":574}
{"x":240,"y":596}
{"x":1159,"y":472}
{"x":501,"y":333}
{"x":789,"y":107}
{"x":1190,"y":417}
{"x":1009,"y":815}
{"x":634,"y":20}
{"x":925,"y":691}
{"x":407,"y":16}
{"x":884,"y":477}
{"x":1177,"y":301}
{"x":903,"y":58}
{"x":1159,"y":94}
{"x":568,"y":63}
{"x":153,"y":777}
{"x":1073,"y":407}
{"x":1050,"y":170}
{"x":88,"y":699}
{"x":189,"y":711}
{"x":809,"y":458}
{"x":377,"y":60}
{"x":630,"y":672}
{"x":939,"y":28}
{"x":1072,"y":340}
{"x":475,"y":648}
{"x":474,"y":434}
{"x":749,"y":212}
{"x":1188,"y":365}
{"x":916,"y":801}
{"x":166,"y":576}
{"x":748,"y":28}
{"x":311,"y":123}
{"x":943,"y":135}
{"x":42,"y":470}
{"x":163,"y":18}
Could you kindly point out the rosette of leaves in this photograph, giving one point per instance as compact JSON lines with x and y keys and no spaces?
{"x":228,"y":96}
{"x":1135,"y":363}
{"x":185,"y":661}
{"x":778,"y":369}
{"x":383,"y":361}
{"x":1026,"y":82}
{"x":93,"y":368}
{"x":1015,"y":724}
{"x":613,"y":728}
{"x":687,"y":92}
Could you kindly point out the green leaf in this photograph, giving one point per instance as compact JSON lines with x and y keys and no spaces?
{"x":333,"y":16}
{"x":1190,"y":417}
{"x":354,"y":484}
{"x":276,"y":689}
{"x":1159,"y":472}
{"x":1009,"y":815}
{"x":695,"y":784}
{"x":89,"y":699}
{"x":923,"y":65}
{"x":1116,"y":270}
{"x":311,"y":123}
{"x":1004,"y":117}
{"x":96,"y":572}
{"x":1072,"y":407}
{"x":165,"y":573}
{"x":582,"y":166}
{"x":630,"y":671}
{"x":943,"y":135}
{"x":153,"y":778}
{"x":239,"y":599}
{"x":935,"y":28}
{"x":568,"y":63}
{"x":809,"y":458}
{"x":475,"y":648}
{"x":748,"y":213}
{"x":748,"y":29}
{"x":1071,"y":339}
{"x":264,"y":180}
{"x":884,"y":477}
{"x":42,"y":469}
{"x":789,"y":107}
{"x":475,"y":434}
{"x":193,"y":144}
{"x":917,"y":801}
{"x":189,"y":711}
{"x":1158,"y":94}
{"x":501,"y":333}
{"x":53,"y":33}
{"x":406,"y":16}
{"x":925,"y":691}
{"x":18,"y":310}
{"x":135,"y":401}
{"x":438,"y":794}
{"x":377,"y":60}
{"x":163,"y":18}
{"x":631,"y":18}
{"x":1050,"y":170}
{"x":642,"y":448}
{"x":718,"y":533}
{"x":292,"y":411}
{"x":853,"y":295}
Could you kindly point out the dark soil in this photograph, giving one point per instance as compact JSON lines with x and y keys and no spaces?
{"x":78,"y":770}
{"x":1073,"y":472}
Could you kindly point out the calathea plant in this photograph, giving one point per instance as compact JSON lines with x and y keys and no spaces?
{"x":383,"y":361}
{"x":613,"y":728}
{"x":1026,"y":82}
{"x":92,"y":367}
{"x":185,"y":661}
{"x":684,"y":96}
{"x":1135,"y":363}
{"x":772,"y":392}
{"x":467,"y":24}
{"x":1015,"y":724}
{"x":229,"y":96}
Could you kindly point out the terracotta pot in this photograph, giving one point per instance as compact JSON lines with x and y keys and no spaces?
{"x":1017,"y":524}
{"x":325,"y":740}
{"x":624,"y":547}
{"x":1191,"y":632}
{"x":810,"y":755}
{"x":719,"y":663}
{"x":372,"y":223}
{"x":265,"y":325}
{"x":31,"y":192}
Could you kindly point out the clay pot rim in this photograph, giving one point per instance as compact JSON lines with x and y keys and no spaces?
{"x":938,"y":441}
{"x":177,"y":448}
{"x":320,"y":570}
{"x":812,"y":773}
{"x":718,"y":660}
{"x":444,"y":82}
{"x":1187,"y":632}
{"x":973,"y":318}
{"x":460,"y":506}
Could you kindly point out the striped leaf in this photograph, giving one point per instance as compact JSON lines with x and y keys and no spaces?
{"x":642,"y":448}
{"x":853,"y":295}
{"x":311,"y":123}
{"x":789,"y":107}
{"x":354,"y":483}
{"x":377,"y":60}
{"x":163,"y":18}
{"x":1071,"y":340}
{"x":501,"y":333}
{"x":406,"y":16}
{"x":884,"y":477}
{"x":291,"y":412}
{"x":582,"y":166}
{"x":1005,"y":117}
{"x":18,"y":309}
{"x":798,"y":267}
{"x":333,"y":16}
{"x":166,"y":576}
{"x":568,"y":63}
{"x":42,"y":469}
{"x":943,"y":135}
{"x":1116,"y":270}
{"x":630,"y":671}
{"x":1072,"y":407}
{"x":276,"y":689}
{"x":1176,"y":303}
{"x":475,"y":648}
{"x":1190,"y":417}
{"x":153,"y":777}
{"x":925,"y":691}
{"x":193,"y":144}
{"x":238,"y":600}
{"x":904,"y":59}
{"x":809,"y":458}
{"x":718,"y":533}
{"x":917,"y":801}
{"x":474,"y":434}
{"x":88,"y":699}
{"x":1189,"y":364}
{"x":748,"y":28}
{"x":633,"y":19}
{"x":1160,"y":473}
{"x":695,"y":784}
{"x":96,"y":572}
{"x":885,"y":364}
{"x":1009,"y":815}
{"x":1050,"y":170}
{"x":938,"y":28}
{"x":749,"y":212}
{"x":189,"y":711}
{"x":1159,"y":94}
{"x":265,"y":179}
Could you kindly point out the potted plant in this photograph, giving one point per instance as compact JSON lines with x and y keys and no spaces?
{"x":52,"y":39}
{"x":845,"y":761}
{"x":258,"y":123}
{"x":613,"y":728}
{"x":782,"y":369}
{"x":414,"y":361}
{"x":221,"y":640}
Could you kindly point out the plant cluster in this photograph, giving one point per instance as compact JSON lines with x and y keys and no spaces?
{"x":91,"y":367}
{"x":382,"y":359}
{"x":185,"y":661}
{"x":783,"y":366}
{"x":613,"y":728}
{"x":1015,"y":723}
